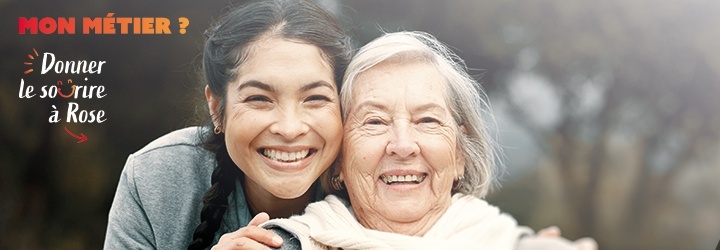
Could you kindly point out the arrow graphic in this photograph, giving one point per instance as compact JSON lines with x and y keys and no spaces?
{"x":80,"y":137}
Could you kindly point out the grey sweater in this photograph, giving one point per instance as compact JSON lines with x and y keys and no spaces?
{"x":159,"y":196}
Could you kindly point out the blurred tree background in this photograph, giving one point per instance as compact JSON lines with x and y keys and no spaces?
{"x":607,"y":111}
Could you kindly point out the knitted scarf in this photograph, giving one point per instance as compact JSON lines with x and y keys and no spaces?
{"x":469,"y":223}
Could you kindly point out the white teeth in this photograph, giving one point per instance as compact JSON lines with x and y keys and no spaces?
{"x":285,"y":156}
{"x":391,"y":179}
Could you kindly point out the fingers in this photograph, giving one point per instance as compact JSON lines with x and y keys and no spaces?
{"x":551,"y":232}
{"x":259,"y":219}
{"x":250,"y":237}
{"x":586,"y":244}
{"x":239,"y":243}
{"x":263,"y":235}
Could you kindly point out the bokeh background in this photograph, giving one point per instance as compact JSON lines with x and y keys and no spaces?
{"x":608,"y":111}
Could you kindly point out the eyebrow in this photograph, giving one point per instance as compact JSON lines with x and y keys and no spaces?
{"x":429,"y":107}
{"x":317,"y":84}
{"x":369,"y":104}
{"x":256,"y":84}
{"x":364,"y":105}
{"x":269,"y":88}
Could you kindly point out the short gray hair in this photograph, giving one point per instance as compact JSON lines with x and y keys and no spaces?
{"x":466,"y":99}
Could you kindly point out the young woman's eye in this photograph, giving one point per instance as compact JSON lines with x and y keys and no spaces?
{"x":257,"y":98}
{"x":317,"y":98}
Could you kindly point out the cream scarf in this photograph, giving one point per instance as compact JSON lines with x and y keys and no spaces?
{"x":469,"y":223}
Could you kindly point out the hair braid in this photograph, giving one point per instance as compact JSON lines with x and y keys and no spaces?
{"x":215,"y":201}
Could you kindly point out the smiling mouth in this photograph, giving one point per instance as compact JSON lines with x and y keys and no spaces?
{"x":281,"y":156}
{"x":403,"y":179}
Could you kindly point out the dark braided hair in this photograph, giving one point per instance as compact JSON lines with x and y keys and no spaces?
{"x":215,"y":200}
{"x":226,"y":49}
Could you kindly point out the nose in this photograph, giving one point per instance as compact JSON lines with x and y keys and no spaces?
{"x":289,"y":124}
{"x":402,"y":143}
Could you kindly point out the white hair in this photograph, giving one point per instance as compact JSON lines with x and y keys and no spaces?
{"x":464,"y":96}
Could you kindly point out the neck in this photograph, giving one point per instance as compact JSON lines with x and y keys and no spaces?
{"x":260,"y":200}
{"x":420,"y":226}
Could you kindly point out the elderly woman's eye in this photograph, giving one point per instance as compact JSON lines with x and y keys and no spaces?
{"x":374,"y":122}
{"x":429,"y":120}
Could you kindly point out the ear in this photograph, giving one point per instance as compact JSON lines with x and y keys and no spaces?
{"x":339,"y":172}
{"x":460,"y":166}
{"x":213,"y":105}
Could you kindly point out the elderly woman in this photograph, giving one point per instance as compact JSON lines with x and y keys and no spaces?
{"x":416,"y":158}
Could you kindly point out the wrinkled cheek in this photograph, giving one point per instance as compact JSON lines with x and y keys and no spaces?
{"x":443,"y":182}
{"x":359,"y":160}
{"x":360,"y":181}
{"x":352,"y":158}
{"x":364,"y":193}
{"x":356,"y":177}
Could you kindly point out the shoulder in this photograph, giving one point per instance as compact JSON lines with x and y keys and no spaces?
{"x":178,"y":154}
{"x":290,"y":241}
{"x":320,"y":216}
{"x":174,"y":168}
{"x":464,"y":201}
{"x":167,"y":180}
{"x":471,"y":220}
{"x":185,"y":137}
{"x":468,"y":209}
{"x":295,"y":234}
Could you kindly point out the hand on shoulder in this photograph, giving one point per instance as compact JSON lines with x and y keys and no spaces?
{"x":250,"y":237}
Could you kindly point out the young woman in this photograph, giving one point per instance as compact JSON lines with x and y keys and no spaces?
{"x":272,"y":71}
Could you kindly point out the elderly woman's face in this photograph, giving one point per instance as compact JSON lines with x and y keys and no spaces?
{"x":282,"y":118}
{"x":400,"y":152}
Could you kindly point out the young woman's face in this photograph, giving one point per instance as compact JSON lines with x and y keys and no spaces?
{"x":282,"y":117}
